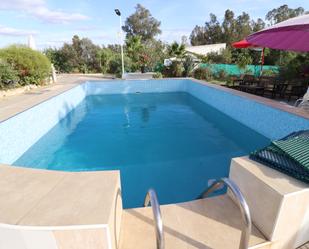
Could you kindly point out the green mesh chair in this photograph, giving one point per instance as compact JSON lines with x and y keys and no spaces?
{"x":289,"y":155}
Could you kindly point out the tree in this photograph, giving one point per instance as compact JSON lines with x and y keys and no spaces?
{"x":244,"y":59}
{"x":209,"y":34}
{"x":142,"y":23}
{"x":213,"y":30}
{"x":79,"y":56}
{"x":283,"y":13}
{"x":258,"y":25}
{"x":224,"y":57}
{"x":243,"y":26}
{"x":156,"y":51}
{"x":134,"y":48}
{"x":69,"y":61}
{"x":176,"y":50}
{"x":184,"y":40}
{"x":197,"y":36}
{"x":229,"y":27}
{"x":89,"y":56}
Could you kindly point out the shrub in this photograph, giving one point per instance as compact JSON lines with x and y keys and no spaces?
{"x":202,"y":74}
{"x":159,"y":67}
{"x":224,"y":57}
{"x":269,"y":72}
{"x":243,"y":60}
{"x":221,"y":75}
{"x":32,"y":66}
{"x":8,"y":76}
{"x":188,"y":65}
{"x":115,"y":65}
{"x":157,"y":75}
{"x":176,"y":69}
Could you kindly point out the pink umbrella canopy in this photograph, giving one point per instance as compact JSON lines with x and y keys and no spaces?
{"x":292,"y":34}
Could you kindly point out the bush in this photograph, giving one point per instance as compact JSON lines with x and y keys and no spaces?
{"x":32,"y":66}
{"x":224,"y":57}
{"x":157,"y":75}
{"x":8,"y":76}
{"x":176,"y":69}
{"x":115,"y":65}
{"x":188,"y":65}
{"x":269,"y":72}
{"x":221,"y":75}
{"x":202,"y":74}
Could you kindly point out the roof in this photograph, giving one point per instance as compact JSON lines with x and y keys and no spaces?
{"x":206,"y":49}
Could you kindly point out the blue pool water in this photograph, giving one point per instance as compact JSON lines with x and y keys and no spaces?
{"x":169,"y":141}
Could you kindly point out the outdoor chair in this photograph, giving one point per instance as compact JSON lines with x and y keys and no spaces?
{"x":296,"y":91}
{"x":251,"y":84}
{"x":274,"y":87}
{"x":236,"y":81}
{"x":247,"y":80}
{"x":303,"y":102}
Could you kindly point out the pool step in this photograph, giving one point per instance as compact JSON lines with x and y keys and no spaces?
{"x":212,"y":223}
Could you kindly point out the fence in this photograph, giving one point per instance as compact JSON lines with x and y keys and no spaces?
{"x":231,"y":69}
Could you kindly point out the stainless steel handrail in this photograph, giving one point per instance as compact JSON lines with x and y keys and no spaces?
{"x":242,"y":204}
{"x":151,"y":197}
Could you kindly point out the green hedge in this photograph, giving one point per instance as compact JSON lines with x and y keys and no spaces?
{"x":32,"y":67}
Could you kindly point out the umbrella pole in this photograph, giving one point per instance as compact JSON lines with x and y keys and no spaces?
{"x":262,"y":61}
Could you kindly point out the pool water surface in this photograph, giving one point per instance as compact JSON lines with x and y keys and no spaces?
{"x":171,"y":142}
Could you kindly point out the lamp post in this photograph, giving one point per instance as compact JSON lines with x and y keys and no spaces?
{"x":118,"y":13}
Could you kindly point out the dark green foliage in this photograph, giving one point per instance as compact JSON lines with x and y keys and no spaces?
{"x":8,"y":75}
{"x":80,"y":56}
{"x":114,"y":66}
{"x":176,"y":50}
{"x":202,"y":74}
{"x":297,"y":68}
{"x":230,"y":30}
{"x":225,"y":57}
{"x":106,"y":56}
{"x":157,"y":75}
{"x":283,"y":13}
{"x":188,"y":65}
{"x":31,"y":66}
{"x":176,"y":69}
{"x":155,"y":50}
{"x":142,"y":23}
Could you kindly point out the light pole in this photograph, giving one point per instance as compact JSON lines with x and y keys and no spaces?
{"x":118,"y":13}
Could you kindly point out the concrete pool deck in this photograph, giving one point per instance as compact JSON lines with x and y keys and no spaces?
{"x":56,"y":198}
{"x":55,"y":209}
{"x":12,"y":105}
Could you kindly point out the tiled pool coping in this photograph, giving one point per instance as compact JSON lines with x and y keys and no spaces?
{"x":13,"y":105}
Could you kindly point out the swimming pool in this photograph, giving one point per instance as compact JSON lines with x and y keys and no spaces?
{"x":162,"y":140}
{"x":172,"y":135}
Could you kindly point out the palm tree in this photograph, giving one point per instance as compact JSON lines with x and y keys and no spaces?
{"x":176,"y":50}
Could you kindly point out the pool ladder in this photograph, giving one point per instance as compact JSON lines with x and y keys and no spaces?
{"x":151,"y":198}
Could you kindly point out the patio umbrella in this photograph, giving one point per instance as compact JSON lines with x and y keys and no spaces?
{"x":292,"y":35}
{"x":245,"y":44}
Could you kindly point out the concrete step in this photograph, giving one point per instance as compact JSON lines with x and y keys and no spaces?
{"x":213,"y":223}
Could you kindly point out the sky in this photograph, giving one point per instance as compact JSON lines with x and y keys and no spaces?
{"x":53,"y":22}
